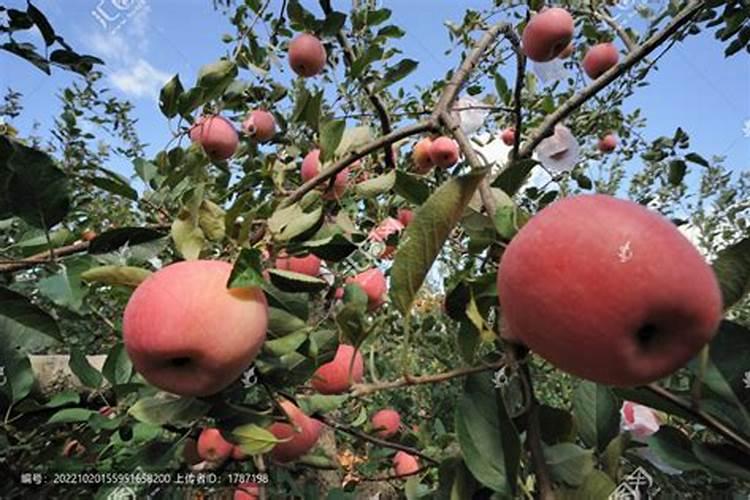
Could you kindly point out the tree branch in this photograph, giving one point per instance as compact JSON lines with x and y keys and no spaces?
{"x":374,"y":440}
{"x":617,"y":27}
{"x":633,"y":58}
{"x":534,"y":440}
{"x":377,"y":103}
{"x":44,"y":257}
{"x":705,"y":418}
{"x":359,"y":390}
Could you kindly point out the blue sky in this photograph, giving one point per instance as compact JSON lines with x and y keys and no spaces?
{"x":695,"y":86}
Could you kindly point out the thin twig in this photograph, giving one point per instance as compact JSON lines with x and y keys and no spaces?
{"x":534,"y":440}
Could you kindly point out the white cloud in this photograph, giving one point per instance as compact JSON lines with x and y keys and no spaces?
{"x":139,"y":80}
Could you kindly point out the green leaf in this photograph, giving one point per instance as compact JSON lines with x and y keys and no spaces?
{"x":411,"y":188}
{"x":331,"y":133}
{"x":117,"y":367}
{"x":596,"y":486}
{"x":732,"y":268}
{"x":288,"y":343}
{"x":81,"y":368}
{"x":37,"y":190}
{"x":27,"y":51}
{"x":696,"y":158}
{"x":167,"y":408}
{"x":677,"y":170}
{"x":20,"y":378}
{"x":333,"y":248}
{"x":379,"y":16}
{"x":116,"y":275}
{"x":25,"y":326}
{"x":513,"y":177}
{"x":292,"y":221}
{"x":674,"y":448}
{"x":722,"y":459}
{"x":254,"y":440}
{"x":423,"y":239}
{"x":489,"y":442}
{"x":116,"y":184}
{"x":396,"y":73}
{"x":455,"y":480}
{"x":353,"y":138}
{"x":71,"y":415}
{"x":320,"y":403}
{"x":556,"y":425}
{"x":377,"y":185}
{"x":373,"y":53}
{"x":724,"y":350}
{"x":597,"y":413}
{"x":188,"y":238}
{"x":352,"y":324}
{"x":191,"y":99}
{"x":211,"y":220}
{"x":65,"y":288}
{"x":289,"y":281}
{"x":333,"y":23}
{"x":569,"y":463}
{"x":169,"y":97}
{"x":214,"y":78}
{"x":115,"y":239}
{"x":247,"y":270}
{"x":45,"y":28}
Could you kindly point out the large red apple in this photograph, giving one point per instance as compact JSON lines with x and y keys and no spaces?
{"x":307,"y":56}
{"x":311,"y":168}
{"x":405,"y":464}
{"x":212,"y":446}
{"x":608,"y":290}
{"x":301,"y":436}
{"x":386,"y":423}
{"x":309,"y":265}
{"x":599,"y":59}
{"x":373,"y":283}
{"x":187,"y":333}
{"x":260,"y":125}
{"x":333,"y":377}
{"x":547,"y":34}
{"x":216,"y":135}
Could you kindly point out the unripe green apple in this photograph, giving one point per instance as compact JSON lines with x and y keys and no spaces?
{"x":333,"y":377}
{"x":608,"y":290}
{"x":188,"y":334}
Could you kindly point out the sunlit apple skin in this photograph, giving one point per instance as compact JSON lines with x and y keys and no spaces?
{"x":333,"y":377}
{"x":311,"y":168}
{"x":405,"y":216}
{"x":421,"y":156}
{"x":405,"y":464}
{"x":547,"y":34}
{"x":302,"y":440}
{"x":216,"y":135}
{"x":307,"y":56}
{"x":186,"y":333}
{"x":247,"y":491}
{"x":444,"y":152}
{"x":373,"y":283}
{"x":508,"y":136}
{"x":599,"y":59}
{"x":309,"y":265}
{"x":567,"y":52}
{"x":212,"y":446}
{"x":386,"y":423}
{"x":608,"y":143}
{"x":260,"y":125}
{"x":608,"y":290}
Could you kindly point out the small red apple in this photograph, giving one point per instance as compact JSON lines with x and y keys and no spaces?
{"x":212,"y":447}
{"x":405,"y":464}
{"x":307,"y":56}
{"x":608,"y":143}
{"x":405,"y":216}
{"x":309,"y":265}
{"x":302,"y":438}
{"x":373,"y":283}
{"x":421,"y":156}
{"x":639,"y":300}
{"x":311,"y":168}
{"x":386,"y":423}
{"x":547,"y":34}
{"x":247,"y":491}
{"x":599,"y":59}
{"x":444,"y":152}
{"x":260,"y":125}
{"x":216,"y":135}
{"x":333,"y":377}
{"x":187,"y":333}
{"x":508,"y":136}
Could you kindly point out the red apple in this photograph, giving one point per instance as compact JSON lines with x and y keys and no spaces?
{"x":405,"y":464}
{"x":386,"y":423}
{"x":247,"y":491}
{"x":547,"y":34}
{"x":309,"y":265}
{"x":444,"y":152}
{"x":421,"y":156}
{"x":187,"y":333}
{"x":311,"y":168}
{"x":608,"y":143}
{"x":212,"y":447}
{"x":216,"y":135}
{"x":508,"y":136}
{"x":88,"y":235}
{"x":405,"y":216}
{"x":373,"y":283}
{"x":307,"y":56}
{"x":333,"y":377}
{"x":599,"y":59}
{"x":260,"y":125}
{"x":237,"y":453}
{"x":302,"y":436}
{"x":608,"y":290}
